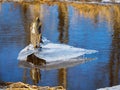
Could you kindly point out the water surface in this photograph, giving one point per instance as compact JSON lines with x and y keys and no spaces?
{"x":96,"y":27}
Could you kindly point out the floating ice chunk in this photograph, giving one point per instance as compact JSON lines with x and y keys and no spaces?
{"x":54,"y":52}
{"x":26,"y":51}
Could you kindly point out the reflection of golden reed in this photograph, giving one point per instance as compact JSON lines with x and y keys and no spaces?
{"x":36,"y":35}
{"x":63,"y":23}
{"x":62,"y":77}
{"x":35,"y":72}
{"x":35,"y":75}
{"x":0,"y":7}
{"x":114,"y":62}
{"x":96,"y":10}
{"x":93,"y":11}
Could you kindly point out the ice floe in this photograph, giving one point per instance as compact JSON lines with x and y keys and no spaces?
{"x":54,"y":52}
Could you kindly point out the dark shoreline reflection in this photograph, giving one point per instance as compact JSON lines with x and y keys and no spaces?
{"x":63,"y":26}
{"x":114,"y":63}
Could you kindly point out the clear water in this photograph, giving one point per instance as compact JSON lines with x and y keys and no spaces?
{"x":67,"y":24}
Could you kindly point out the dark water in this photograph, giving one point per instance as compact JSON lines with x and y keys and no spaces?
{"x":94,"y":27}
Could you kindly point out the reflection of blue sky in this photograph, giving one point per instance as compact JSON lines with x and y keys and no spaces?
{"x":50,"y":22}
{"x":83,"y":33}
{"x":10,"y":43}
{"x":8,"y":64}
{"x":49,"y":78}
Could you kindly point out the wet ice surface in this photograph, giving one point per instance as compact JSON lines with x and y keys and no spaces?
{"x":54,"y":52}
{"x":57,"y":64}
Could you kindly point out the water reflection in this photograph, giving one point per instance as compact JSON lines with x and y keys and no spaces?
{"x":62,"y":76}
{"x":111,"y":13}
{"x":36,"y":64}
{"x":114,"y":64}
{"x":98,"y":11}
{"x":15,"y":35}
{"x":0,"y":7}
{"x":34,"y":71}
{"x":63,"y":26}
{"x":32,"y":11}
{"x":35,"y":75}
{"x":26,"y":20}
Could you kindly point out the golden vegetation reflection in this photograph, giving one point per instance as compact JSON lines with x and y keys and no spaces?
{"x":108,"y":12}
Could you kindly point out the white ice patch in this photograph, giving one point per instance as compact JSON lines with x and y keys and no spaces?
{"x":54,"y":52}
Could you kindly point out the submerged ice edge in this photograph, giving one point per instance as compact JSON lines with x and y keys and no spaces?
{"x":54,"y":52}
{"x":56,"y":64}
